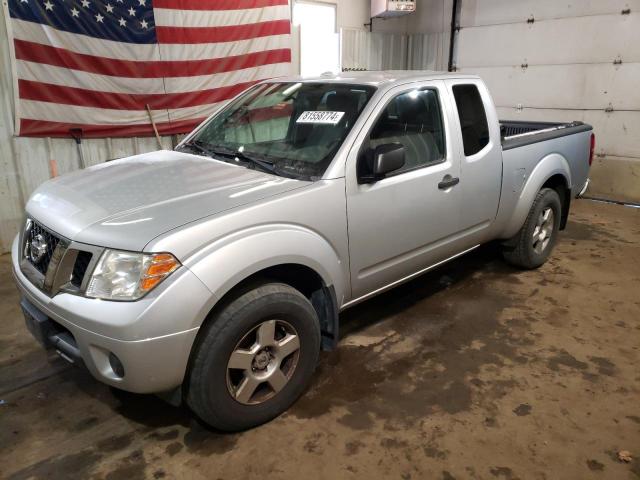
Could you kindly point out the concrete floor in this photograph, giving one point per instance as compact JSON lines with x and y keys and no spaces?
{"x":473,"y":371}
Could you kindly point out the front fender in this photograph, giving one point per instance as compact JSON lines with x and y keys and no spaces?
{"x":233,"y":258}
{"x":552,"y":164}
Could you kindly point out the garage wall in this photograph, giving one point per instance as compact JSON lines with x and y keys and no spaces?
{"x":564,"y":60}
{"x":11,"y":193}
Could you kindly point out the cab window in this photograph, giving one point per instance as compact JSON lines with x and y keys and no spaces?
{"x":473,"y":119}
{"x":414,"y":120}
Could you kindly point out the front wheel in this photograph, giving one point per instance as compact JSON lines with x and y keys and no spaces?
{"x":532,"y":245}
{"x":254,"y":359}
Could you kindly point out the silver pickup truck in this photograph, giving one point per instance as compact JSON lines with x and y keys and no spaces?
{"x":216,"y":272}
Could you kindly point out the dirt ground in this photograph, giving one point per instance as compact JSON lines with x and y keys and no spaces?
{"x":474,"y":371}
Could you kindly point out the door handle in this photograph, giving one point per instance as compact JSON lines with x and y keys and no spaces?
{"x":448,"y":181}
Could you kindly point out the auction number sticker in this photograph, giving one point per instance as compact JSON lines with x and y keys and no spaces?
{"x":323,"y":117}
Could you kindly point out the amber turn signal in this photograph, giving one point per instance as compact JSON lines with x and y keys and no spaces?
{"x":160,"y":265}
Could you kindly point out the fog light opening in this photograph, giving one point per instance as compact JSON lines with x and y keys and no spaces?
{"x":116,"y":365}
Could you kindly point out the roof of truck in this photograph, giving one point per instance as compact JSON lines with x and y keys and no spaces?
{"x":378,"y":78}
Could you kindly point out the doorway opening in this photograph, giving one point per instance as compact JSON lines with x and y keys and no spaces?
{"x":319,"y":39}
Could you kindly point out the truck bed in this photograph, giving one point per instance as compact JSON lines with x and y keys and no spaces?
{"x":527,"y":144}
{"x":516,"y":133}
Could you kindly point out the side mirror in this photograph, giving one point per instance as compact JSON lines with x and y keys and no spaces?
{"x":387,"y":158}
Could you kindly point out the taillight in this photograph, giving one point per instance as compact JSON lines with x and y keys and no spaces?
{"x":592,"y":149}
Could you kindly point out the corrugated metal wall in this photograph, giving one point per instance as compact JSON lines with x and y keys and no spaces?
{"x":564,"y":60}
{"x":24,"y":162}
{"x":392,"y":51}
{"x":373,"y":51}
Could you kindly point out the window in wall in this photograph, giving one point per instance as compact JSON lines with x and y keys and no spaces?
{"x":473,"y":119}
{"x":412,"y":119}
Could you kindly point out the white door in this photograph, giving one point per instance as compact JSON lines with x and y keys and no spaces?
{"x":319,"y":41}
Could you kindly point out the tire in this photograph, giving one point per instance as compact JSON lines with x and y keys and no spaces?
{"x":523,"y":250}
{"x":259,"y":328}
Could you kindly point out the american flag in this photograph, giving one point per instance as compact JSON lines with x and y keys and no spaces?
{"x":96,"y":65}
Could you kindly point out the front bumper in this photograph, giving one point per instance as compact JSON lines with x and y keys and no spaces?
{"x":152,"y":337}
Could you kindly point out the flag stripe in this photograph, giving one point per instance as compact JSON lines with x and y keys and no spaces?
{"x":205,"y":82}
{"x":47,"y":92}
{"x":208,"y":51}
{"x":202,"y":18}
{"x":32,"y":32}
{"x":73,"y":78}
{"x":217,"y":4}
{"x":54,"y":112}
{"x":40,"y":128}
{"x":228,"y":33}
{"x":60,"y":57}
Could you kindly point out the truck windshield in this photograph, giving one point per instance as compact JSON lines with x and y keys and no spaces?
{"x":291,"y":129}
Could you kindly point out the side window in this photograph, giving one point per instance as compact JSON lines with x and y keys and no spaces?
{"x":414,"y":120}
{"x":473,"y":119}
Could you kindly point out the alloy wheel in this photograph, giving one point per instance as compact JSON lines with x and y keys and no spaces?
{"x":263,"y":362}
{"x":543,"y":230}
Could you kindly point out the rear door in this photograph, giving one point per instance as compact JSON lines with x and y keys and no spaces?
{"x":403,"y":223}
{"x":481,"y":158}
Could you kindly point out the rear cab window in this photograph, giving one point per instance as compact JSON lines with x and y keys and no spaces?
{"x":473,"y":118}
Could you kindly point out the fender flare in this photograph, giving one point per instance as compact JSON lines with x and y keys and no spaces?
{"x":552,"y":164}
{"x":228,"y":261}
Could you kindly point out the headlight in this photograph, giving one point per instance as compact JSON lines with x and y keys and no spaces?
{"x":129,"y":275}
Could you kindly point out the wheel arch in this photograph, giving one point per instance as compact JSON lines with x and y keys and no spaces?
{"x":304,"y":279}
{"x":290,"y":254}
{"x":558,"y":182}
{"x":552,"y":171}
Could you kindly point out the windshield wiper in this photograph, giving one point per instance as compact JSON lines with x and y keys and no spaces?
{"x":264,"y":164}
{"x":200,"y":146}
{"x":207,"y":149}
{"x":243,"y":157}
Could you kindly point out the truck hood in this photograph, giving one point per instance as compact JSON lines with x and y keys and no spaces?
{"x":128,"y":202}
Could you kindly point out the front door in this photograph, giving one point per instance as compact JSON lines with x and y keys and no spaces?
{"x":403,"y":223}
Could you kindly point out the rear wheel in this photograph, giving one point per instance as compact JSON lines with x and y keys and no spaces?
{"x":254,"y":358}
{"x":532,"y":245}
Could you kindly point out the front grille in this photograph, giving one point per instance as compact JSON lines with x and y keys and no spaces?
{"x":54,"y":263}
{"x":39,"y":246}
{"x":80,"y":268}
